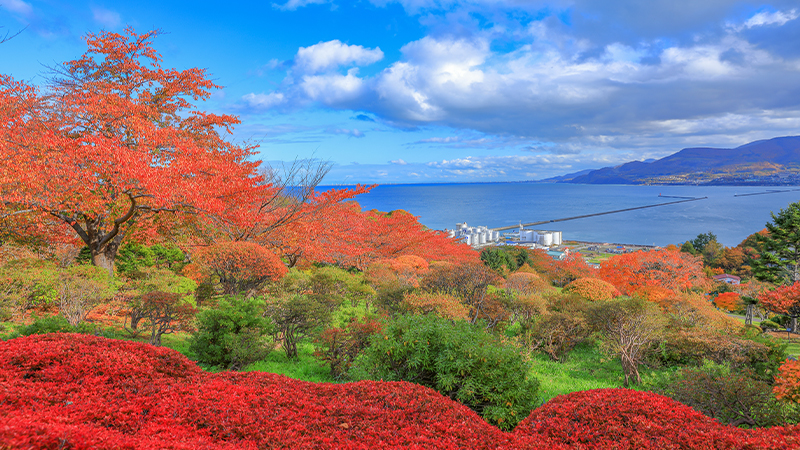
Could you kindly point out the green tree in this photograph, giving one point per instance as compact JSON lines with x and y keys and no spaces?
{"x":702,"y":240}
{"x":688,"y":247}
{"x":297,"y":317}
{"x":231,"y":335}
{"x":779,"y":261}
{"x":460,"y":360}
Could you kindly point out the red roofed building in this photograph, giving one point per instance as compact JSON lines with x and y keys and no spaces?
{"x":730,"y":279}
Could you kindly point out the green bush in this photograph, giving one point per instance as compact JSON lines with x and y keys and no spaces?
{"x":231,"y":335}
{"x":735,"y":398}
{"x":59,"y":324}
{"x":769,"y":325}
{"x":458,"y":359}
{"x":691,"y":347}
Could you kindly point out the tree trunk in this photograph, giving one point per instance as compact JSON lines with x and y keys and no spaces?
{"x":748,"y":318}
{"x":105,"y":258}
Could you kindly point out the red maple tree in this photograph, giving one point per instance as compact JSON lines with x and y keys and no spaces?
{"x":641,"y":272}
{"x":114,"y":139}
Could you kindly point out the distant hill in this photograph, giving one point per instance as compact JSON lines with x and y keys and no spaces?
{"x":767,"y":162}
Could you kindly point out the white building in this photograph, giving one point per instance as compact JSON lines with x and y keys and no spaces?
{"x":474,"y":236}
{"x":541,"y":237}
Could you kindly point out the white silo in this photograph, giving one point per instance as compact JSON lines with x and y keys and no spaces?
{"x":547,"y":238}
{"x":556,"y":238}
{"x":483,"y":237}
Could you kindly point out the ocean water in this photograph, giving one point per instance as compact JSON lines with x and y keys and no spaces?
{"x":732,"y":218}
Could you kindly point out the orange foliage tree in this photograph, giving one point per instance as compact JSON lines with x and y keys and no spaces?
{"x":729,"y":301}
{"x":641,"y":272}
{"x":592,"y":289}
{"x":787,"y":383}
{"x":345,"y":235}
{"x":241,"y":266}
{"x":115,"y":139}
{"x":443,"y":305}
{"x":783,"y":300}
{"x":526,"y":283}
{"x":559,"y":272}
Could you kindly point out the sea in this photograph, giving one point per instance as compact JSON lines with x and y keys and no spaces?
{"x":730,"y":212}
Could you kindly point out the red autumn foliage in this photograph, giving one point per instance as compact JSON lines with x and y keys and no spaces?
{"x":783,"y":300}
{"x":241,"y":266}
{"x":114,"y":140}
{"x":562,"y":272}
{"x":653,"y":273}
{"x":627,"y":419}
{"x":729,"y":301}
{"x":345,"y":235}
{"x":85,"y":392}
{"x":787,"y":383}
{"x":592,"y":289}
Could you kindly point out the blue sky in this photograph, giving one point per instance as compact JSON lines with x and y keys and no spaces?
{"x":421,"y":91}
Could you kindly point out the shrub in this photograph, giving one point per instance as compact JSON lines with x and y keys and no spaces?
{"x":592,"y":289}
{"x":442,"y":305}
{"x":298,"y":317}
{"x":81,"y":288}
{"x":241,"y":267}
{"x":232,"y":334}
{"x":26,"y":284}
{"x":339,"y":347}
{"x":165,"y":313}
{"x":767,"y":325}
{"x":629,"y":327}
{"x":458,"y":359}
{"x":54,"y":324}
{"x":692,"y":347}
{"x":787,"y":383}
{"x":628,"y":419}
{"x":731,"y":397}
{"x":559,"y":329}
{"x":526,"y":283}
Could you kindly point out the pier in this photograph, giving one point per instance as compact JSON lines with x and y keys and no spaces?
{"x":533,"y":224}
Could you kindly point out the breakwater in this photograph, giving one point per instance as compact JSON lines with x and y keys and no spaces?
{"x":533,"y":224}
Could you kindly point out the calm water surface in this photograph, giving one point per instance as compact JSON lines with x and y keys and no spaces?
{"x":731,"y":218}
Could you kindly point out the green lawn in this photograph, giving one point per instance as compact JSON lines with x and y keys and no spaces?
{"x":305,"y":368}
{"x":585,"y":368}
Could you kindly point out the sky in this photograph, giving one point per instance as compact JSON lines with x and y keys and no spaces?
{"x":426,"y":91}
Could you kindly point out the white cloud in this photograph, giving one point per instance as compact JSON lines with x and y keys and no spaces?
{"x":398,"y":162}
{"x":355,"y":132}
{"x":333,"y":89}
{"x":771,"y":18}
{"x":17,"y":7}
{"x":292,"y":5}
{"x":330,"y":55}
{"x":263,"y":101}
{"x":106,"y":17}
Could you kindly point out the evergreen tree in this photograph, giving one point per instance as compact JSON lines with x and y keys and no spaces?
{"x":779,"y":260}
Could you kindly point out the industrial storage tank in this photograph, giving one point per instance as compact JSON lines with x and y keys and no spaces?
{"x":556,"y":238}
{"x":483,"y":237}
{"x":547,"y":238}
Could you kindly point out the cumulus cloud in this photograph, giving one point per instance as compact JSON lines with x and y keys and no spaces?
{"x":17,"y":7}
{"x":399,"y":162}
{"x":326,"y":56}
{"x":570,"y":78}
{"x":106,"y":17}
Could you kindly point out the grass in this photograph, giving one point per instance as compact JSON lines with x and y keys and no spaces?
{"x":305,"y":368}
{"x":585,"y":368}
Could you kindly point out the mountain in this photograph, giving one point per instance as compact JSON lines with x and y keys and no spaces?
{"x":768,"y":162}
{"x":565,"y":178}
